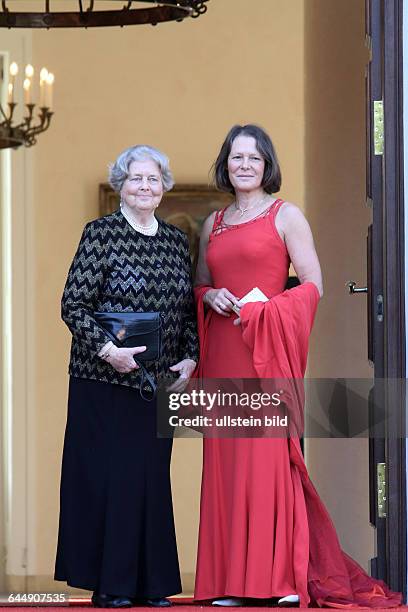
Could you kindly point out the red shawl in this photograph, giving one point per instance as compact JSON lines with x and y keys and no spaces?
{"x":278,"y":332}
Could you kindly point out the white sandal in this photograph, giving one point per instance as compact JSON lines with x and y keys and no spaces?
{"x":288,"y":601}
{"x":228,"y":602}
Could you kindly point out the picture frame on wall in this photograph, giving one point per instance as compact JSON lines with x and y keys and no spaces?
{"x":185,"y":206}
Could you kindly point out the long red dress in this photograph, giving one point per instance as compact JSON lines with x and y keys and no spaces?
{"x":264,"y":531}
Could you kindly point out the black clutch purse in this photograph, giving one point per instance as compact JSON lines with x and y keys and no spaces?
{"x":130,"y":329}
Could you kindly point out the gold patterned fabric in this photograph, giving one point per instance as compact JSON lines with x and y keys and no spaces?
{"x":117,"y":269}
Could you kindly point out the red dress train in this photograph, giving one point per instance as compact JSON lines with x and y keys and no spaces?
{"x":264,"y":531}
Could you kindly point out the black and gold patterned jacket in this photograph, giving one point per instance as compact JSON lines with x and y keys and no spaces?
{"x":117,"y":269}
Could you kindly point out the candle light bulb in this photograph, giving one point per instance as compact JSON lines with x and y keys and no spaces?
{"x":48,"y":93}
{"x":43,"y":80}
{"x":29,"y":71}
{"x":27,"y":91}
{"x":43,"y":74}
{"x":13,"y":69}
{"x":10,"y":93}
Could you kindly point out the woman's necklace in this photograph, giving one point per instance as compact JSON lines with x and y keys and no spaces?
{"x":147,"y":230}
{"x":244,"y":210}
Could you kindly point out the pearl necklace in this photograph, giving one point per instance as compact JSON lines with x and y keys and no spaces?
{"x":147,"y":230}
{"x":244,"y":210}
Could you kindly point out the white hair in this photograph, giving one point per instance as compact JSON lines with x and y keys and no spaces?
{"x":119,"y":170}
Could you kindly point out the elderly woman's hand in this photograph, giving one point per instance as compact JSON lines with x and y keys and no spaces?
{"x":186,"y":367}
{"x":121,"y":359}
{"x":221,"y":300}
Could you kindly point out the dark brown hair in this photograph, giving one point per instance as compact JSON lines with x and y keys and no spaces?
{"x":271,"y":181}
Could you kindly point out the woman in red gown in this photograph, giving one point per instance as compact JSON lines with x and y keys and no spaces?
{"x":264,"y":532}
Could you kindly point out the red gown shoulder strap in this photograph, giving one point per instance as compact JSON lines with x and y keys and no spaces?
{"x":219,"y":215}
{"x":276,"y":207}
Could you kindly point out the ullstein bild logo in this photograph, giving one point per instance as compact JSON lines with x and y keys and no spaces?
{"x":228,"y":421}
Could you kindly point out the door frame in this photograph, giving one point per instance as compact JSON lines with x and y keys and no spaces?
{"x":17,"y":402}
{"x":385,"y":190}
{"x":394,"y":292}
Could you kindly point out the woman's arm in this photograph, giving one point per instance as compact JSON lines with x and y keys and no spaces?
{"x":221,"y":300}
{"x":83,"y":285}
{"x":203,"y":276}
{"x":293,"y":226}
{"x":189,"y":348}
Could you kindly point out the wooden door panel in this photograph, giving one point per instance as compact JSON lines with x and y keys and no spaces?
{"x":386,"y":286}
{"x":375,"y":270}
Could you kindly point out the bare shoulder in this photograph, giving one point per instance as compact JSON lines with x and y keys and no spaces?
{"x":290,"y":215}
{"x":207,"y":226}
{"x":288,"y":210}
{"x":210,"y":219}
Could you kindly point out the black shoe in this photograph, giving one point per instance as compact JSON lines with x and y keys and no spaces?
{"x":158,"y":602}
{"x":103,"y":600}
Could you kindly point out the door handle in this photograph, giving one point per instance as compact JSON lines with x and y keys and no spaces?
{"x":354,"y":289}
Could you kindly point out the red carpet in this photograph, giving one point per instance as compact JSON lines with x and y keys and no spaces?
{"x":186,"y":603}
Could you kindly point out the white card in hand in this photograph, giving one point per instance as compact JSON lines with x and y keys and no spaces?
{"x":255,"y":295}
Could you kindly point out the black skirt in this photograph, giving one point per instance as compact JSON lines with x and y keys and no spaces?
{"x":116,"y":530}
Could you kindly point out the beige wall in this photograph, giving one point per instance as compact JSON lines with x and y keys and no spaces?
{"x":335,"y":58}
{"x":179,"y":87}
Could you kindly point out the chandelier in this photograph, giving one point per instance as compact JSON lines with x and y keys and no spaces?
{"x":26,"y":132}
{"x":88,"y":15}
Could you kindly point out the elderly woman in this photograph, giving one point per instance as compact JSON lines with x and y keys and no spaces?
{"x":116,"y":532}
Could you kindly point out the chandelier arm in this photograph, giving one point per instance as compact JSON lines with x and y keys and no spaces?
{"x":26,"y":122}
{"x":28,"y":119}
{"x":45,"y":119}
{"x":20,"y":126}
{"x":29,"y":130}
{"x":12,"y":106}
{"x":4,"y":115}
{"x":29,"y":140}
{"x":165,"y":10}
